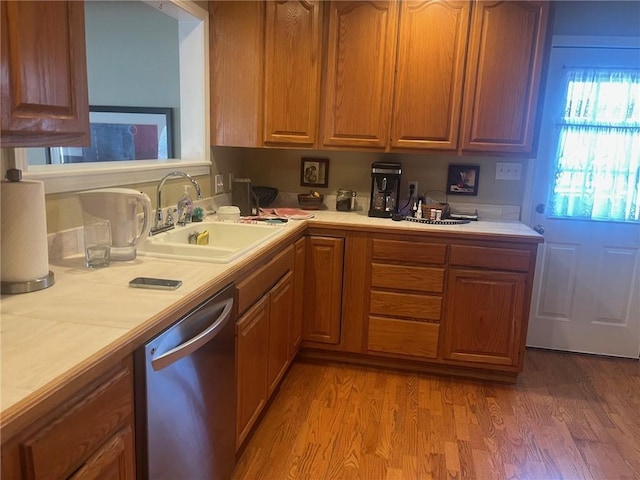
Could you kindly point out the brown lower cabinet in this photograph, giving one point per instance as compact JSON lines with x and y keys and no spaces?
{"x":251,"y":366}
{"x":89,"y":436}
{"x":323,"y":289}
{"x":484,"y":317}
{"x":424,"y":302}
{"x":263,"y":336}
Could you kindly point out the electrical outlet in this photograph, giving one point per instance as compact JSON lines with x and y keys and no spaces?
{"x":413,"y":184}
{"x":218,"y":184}
{"x":508,"y":171}
{"x":230,"y":180}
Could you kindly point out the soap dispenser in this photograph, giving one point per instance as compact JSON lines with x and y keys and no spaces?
{"x":185,"y":207}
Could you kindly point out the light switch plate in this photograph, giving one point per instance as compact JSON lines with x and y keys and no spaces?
{"x":508,"y":171}
{"x":219,"y":184}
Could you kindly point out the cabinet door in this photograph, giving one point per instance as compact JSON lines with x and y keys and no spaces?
{"x":113,"y":461}
{"x":236,"y":60}
{"x":485,"y":312}
{"x":432,"y":43}
{"x":295,"y":324}
{"x":506,"y":51}
{"x":91,"y":432}
{"x":44,"y":74}
{"x":292,"y":72}
{"x":361,"y":49}
{"x":323,"y":289}
{"x":251,"y":368}
{"x":281,"y":312}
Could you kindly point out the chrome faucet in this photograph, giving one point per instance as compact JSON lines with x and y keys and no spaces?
{"x":159,"y":226}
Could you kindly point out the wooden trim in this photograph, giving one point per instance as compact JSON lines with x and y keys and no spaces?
{"x":403,"y":364}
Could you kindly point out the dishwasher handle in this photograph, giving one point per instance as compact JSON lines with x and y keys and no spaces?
{"x":196,"y":342}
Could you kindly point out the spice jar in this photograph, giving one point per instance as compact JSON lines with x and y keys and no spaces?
{"x":345,"y":200}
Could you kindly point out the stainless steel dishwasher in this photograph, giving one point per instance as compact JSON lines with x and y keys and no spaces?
{"x":185,"y":396}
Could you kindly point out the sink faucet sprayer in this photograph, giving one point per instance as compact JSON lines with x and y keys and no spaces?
{"x":158,"y":224}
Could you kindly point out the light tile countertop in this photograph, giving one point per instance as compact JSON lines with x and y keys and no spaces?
{"x":62,"y":331}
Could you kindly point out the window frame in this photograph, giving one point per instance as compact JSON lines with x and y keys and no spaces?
{"x":193,"y":32}
{"x":565,"y":41}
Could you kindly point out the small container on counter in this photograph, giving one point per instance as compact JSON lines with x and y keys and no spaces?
{"x":228,"y":213}
{"x":345,"y":200}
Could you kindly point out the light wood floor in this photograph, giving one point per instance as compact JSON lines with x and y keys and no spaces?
{"x":568,"y":417}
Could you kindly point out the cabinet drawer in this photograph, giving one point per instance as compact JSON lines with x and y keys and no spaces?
{"x":403,"y":337}
{"x":412,"y":252}
{"x":420,"y":279}
{"x":490,"y":257}
{"x":423,"y":307}
{"x":59,"y":449}
{"x":260,"y":282}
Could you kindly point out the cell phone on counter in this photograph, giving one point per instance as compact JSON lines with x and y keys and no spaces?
{"x":157,"y":283}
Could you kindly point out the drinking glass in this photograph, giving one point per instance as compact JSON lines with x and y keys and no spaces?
{"x":97,"y":244}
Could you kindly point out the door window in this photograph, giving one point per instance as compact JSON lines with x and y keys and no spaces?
{"x":597,"y":173}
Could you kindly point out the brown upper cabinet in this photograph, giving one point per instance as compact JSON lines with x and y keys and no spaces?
{"x":359,"y":74}
{"x":504,"y":66}
{"x":432,"y":43}
{"x":265,"y":72}
{"x":236,"y":59}
{"x":293,"y":48}
{"x":448,"y":75}
{"x":44,"y":74}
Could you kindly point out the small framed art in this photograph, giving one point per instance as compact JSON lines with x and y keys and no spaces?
{"x":314,"y":172}
{"x":463,"y":180}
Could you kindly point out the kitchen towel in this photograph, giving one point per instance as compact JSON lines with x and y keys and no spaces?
{"x":24,"y":254}
{"x":292,"y":213}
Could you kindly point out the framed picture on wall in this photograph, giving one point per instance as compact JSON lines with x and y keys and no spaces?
{"x":463,"y":179}
{"x":122,"y":133}
{"x":314,"y":172}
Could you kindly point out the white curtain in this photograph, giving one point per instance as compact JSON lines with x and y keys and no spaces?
{"x":598,"y":159}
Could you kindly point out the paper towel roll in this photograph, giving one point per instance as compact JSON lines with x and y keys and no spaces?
{"x":23,"y":238}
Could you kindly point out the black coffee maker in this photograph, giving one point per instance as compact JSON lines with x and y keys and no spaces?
{"x":385,"y":189}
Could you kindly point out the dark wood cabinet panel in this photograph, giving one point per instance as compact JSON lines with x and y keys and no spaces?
{"x":295,"y":324}
{"x":360,"y":63}
{"x":323,"y":289}
{"x":430,"y":66}
{"x":501,"y":258}
{"x":401,"y":337}
{"x":114,"y":460}
{"x":280,"y":315}
{"x":505,"y":60}
{"x":44,"y":74}
{"x":408,"y":277}
{"x":293,"y":48}
{"x":252,"y":341}
{"x":265,"y":335}
{"x":485,"y":315}
{"x":406,"y":251}
{"x":236,"y":45}
{"x":408,"y":305}
{"x":90,"y":435}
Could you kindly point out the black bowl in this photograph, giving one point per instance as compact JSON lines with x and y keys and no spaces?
{"x":266,"y":195}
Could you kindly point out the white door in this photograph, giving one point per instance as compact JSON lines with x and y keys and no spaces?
{"x":586,"y":296}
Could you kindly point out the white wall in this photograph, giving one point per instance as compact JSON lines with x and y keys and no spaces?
{"x":601,"y":18}
{"x":132,"y":57}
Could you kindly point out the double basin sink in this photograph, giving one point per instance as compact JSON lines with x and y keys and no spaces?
{"x":226,"y":241}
